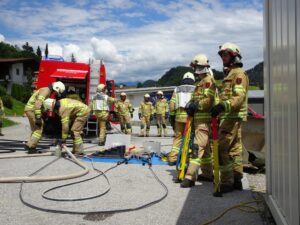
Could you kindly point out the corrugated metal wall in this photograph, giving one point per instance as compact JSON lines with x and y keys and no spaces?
{"x":282,"y":87}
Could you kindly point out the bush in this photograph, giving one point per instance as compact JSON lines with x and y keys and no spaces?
{"x":7,"y":101}
{"x":2,"y":90}
{"x":21,"y":92}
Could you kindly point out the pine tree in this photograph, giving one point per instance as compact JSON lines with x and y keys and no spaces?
{"x":39,"y":52}
{"x":73,"y":59}
{"x":46,"y":51}
{"x":27,"y":47}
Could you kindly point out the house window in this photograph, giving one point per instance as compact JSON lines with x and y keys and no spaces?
{"x":17,"y":71}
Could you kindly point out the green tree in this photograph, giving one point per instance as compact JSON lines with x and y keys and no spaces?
{"x":39,"y":52}
{"x":27,"y":47}
{"x":46,"y":51}
{"x":73,"y":59}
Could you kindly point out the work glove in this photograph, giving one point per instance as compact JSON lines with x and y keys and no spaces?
{"x":172,"y":121}
{"x":140,"y":115}
{"x":217,"y":109}
{"x":151,"y":117}
{"x":191,"y":107}
{"x":38,"y":122}
{"x":131,"y":115}
{"x":166,"y":116}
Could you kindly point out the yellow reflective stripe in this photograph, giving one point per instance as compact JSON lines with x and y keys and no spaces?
{"x":173,"y":100}
{"x":175,"y":149}
{"x":172,"y":113}
{"x":227,"y":105}
{"x":37,"y":134}
{"x":226,"y":168}
{"x":30,"y":106}
{"x":239,"y":88}
{"x":195,"y":161}
{"x":206,"y":160}
{"x":65,"y":119}
{"x":78,"y":141}
{"x":64,"y":136}
{"x":37,"y":111}
{"x":233,"y":115}
{"x":40,"y":97}
{"x":202,"y":115}
{"x":209,"y":92}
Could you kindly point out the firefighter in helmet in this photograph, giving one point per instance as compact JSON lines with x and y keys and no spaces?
{"x":124,"y":111}
{"x":146,"y":111}
{"x":72,"y":113}
{"x":161,"y":112}
{"x":232,"y":110}
{"x":178,"y":116}
{"x":199,"y":108}
{"x":100,"y":107}
{"x":34,"y":113}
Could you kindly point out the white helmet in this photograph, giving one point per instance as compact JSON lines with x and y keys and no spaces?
{"x":100,"y":87}
{"x":59,"y":87}
{"x":48,"y":104}
{"x":232,"y":48}
{"x":200,"y":64}
{"x":147,"y":96}
{"x":123,"y":94}
{"x":188,"y":75}
{"x":160,"y":93}
{"x":200,"y":60}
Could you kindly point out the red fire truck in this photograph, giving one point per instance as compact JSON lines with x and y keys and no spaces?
{"x":84,"y":77}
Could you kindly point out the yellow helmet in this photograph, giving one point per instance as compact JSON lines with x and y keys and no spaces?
{"x":232,"y":48}
{"x":100,"y":87}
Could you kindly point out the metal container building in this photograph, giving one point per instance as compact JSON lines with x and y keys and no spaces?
{"x":282,"y":94}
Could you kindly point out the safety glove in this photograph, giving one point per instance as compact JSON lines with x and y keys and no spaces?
{"x":191,"y":107}
{"x":217,"y":109}
{"x":151,"y":117}
{"x":38,"y":122}
{"x":131,"y":115}
{"x":140,"y":115}
{"x":172,"y":120}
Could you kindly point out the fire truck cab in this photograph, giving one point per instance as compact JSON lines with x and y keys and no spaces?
{"x":83,"y":77}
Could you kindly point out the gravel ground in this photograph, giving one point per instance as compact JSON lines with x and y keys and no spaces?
{"x":131,"y":186}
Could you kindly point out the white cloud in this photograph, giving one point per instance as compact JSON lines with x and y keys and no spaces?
{"x":2,"y":38}
{"x":104,"y":49}
{"x":144,"y":52}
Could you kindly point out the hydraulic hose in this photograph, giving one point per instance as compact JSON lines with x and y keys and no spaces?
{"x":49,"y":178}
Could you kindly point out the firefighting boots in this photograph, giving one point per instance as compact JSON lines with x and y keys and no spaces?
{"x":203,"y":178}
{"x":30,"y":150}
{"x":225,"y":188}
{"x":186,"y":183}
{"x":237,"y":184}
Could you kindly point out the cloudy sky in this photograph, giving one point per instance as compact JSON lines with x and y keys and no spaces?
{"x":138,"y":40}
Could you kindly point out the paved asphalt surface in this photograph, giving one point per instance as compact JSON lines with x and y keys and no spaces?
{"x":132,"y":185}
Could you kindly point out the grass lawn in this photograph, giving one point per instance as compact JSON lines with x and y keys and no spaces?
{"x":18,"y":109}
{"x":8,"y":123}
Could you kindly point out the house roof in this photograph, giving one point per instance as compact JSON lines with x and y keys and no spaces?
{"x":12,"y":60}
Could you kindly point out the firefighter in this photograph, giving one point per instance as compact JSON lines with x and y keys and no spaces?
{"x":199,"y":107}
{"x":72,"y":94}
{"x":161,"y":112}
{"x":33,"y":112}
{"x":232,"y":110}
{"x":123,"y":109}
{"x":178,"y":116}
{"x":72,"y":113}
{"x":146,"y":111}
{"x":1,"y":116}
{"x":100,"y":107}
